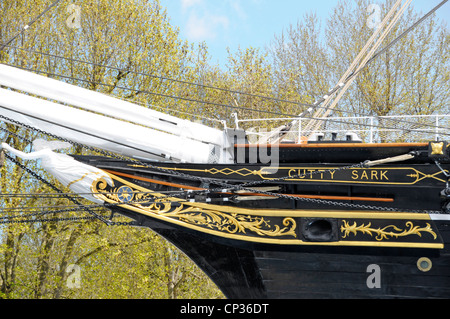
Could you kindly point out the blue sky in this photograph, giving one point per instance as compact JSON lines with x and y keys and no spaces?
{"x":234,"y":23}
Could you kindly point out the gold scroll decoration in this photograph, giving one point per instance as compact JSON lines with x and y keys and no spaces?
{"x":158,"y":205}
{"x":391,"y":231}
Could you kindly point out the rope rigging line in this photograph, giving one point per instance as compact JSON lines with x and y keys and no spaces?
{"x":406,"y":32}
{"x":53,"y":195}
{"x":42,"y":213}
{"x":353,"y":74}
{"x":48,"y":208}
{"x":28,"y":25}
{"x":313,"y":106}
{"x":217,"y":104}
{"x":316,"y":105}
{"x":387,"y":47}
{"x":72,"y":198}
{"x":359,"y":61}
{"x":98,"y":207}
{"x":243,"y":186}
{"x":154,"y":93}
{"x":132,"y":160}
{"x":163,"y":78}
{"x":77,"y":219}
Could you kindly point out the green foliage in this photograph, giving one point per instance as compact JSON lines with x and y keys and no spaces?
{"x":136,"y":39}
{"x":410,"y":78}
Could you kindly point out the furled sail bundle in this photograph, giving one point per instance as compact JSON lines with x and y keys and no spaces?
{"x":105,"y":122}
{"x":310,"y":224}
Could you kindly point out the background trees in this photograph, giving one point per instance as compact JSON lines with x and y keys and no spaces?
{"x":403,"y":80}
{"x":40,"y":260}
{"x":127,"y":48}
{"x":308,"y":63}
{"x":411,"y":78}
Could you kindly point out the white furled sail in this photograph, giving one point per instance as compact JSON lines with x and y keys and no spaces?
{"x":97,"y":102}
{"x":116,"y":125}
{"x":71,"y":173}
{"x":100,"y":131}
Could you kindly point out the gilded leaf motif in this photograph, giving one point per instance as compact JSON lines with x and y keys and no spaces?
{"x":385,"y":232}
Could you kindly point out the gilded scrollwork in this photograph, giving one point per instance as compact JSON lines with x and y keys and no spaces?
{"x":157,"y":204}
{"x":386,"y":232}
{"x":232,"y":223}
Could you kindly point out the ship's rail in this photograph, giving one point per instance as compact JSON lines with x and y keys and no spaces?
{"x":370,"y":129}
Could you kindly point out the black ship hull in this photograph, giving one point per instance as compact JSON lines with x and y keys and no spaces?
{"x":318,"y":229}
{"x":262,"y":272}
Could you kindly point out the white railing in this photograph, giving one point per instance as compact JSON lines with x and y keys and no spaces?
{"x":371,"y":129}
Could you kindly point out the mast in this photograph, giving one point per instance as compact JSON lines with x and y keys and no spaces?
{"x":321,"y":112}
{"x":359,"y":63}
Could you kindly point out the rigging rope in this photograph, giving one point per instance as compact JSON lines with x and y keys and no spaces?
{"x":406,"y":32}
{"x":235,"y":187}
{"x":29,"y":25}
{"x":387,"y":47}
{"x":312,"y":106}
{"x":51,"y":185}
{"x":355,"y":73}
{"x":360,"y":61}
{"x":226,"y":187}
{"x":217,"y":104}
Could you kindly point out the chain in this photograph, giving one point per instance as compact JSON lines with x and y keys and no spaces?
{"x":13,"y":219}
{"x":46,"y":220}
{"x":69,"y":197}
{"x":230,"y":187}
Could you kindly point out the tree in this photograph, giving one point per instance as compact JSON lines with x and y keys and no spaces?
{"x":301,"y":65}
{"x":409,"y":78}
{"x":75,"y":42}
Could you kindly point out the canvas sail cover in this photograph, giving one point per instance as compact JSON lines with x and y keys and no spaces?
{"x":101,"y":121}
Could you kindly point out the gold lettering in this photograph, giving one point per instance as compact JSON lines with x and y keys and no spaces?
{"x":321,"y":174}
{"x":369,"y":175}
{"x":374,"y":175}
{"x":364,"y":175}
{"x":291,"y":171}
{"x":332,"y":174}
{"x":302,"y":175}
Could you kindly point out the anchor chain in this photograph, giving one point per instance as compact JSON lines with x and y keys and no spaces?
{"x":233,"y":187}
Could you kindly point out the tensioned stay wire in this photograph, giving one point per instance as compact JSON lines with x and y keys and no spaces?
{"x":29,"y":24}
{"x":216,"y":104}
{"x":316,"y":105}
{"x":230,"y":187}
{"x":284,"y":101}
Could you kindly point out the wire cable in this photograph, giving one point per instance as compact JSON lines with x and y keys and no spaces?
{"x":29,"y":25}
{"x":316,"y":105}
{"x":217,"y":104}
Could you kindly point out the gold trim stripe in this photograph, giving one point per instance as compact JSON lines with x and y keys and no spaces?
{"x":285,"y":213}
{"x":289,"y":212}
{"x":335,"y":145}
{"x":286,"y":241}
